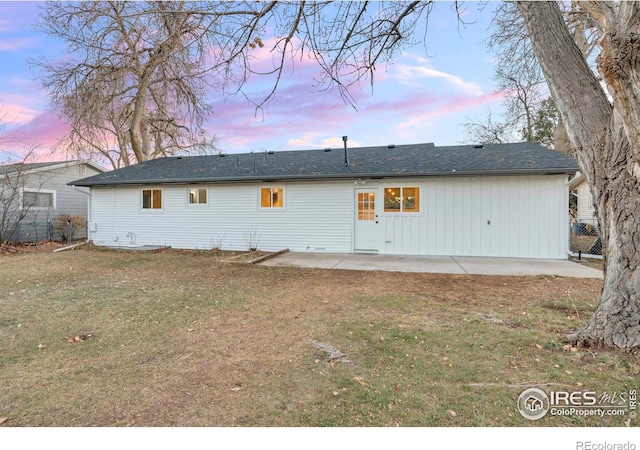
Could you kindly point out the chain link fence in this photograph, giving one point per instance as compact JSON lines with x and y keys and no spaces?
{"x":584,"y":238}
{"x":62,"y":229}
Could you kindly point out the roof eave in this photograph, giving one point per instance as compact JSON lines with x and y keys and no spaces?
{"x":317,"y":177}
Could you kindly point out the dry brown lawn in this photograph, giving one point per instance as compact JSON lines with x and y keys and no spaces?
{"x":107,"y":338}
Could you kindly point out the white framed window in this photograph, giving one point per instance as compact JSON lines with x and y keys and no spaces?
{"x":152,"y":199}
{"x":38,"y":199}
{"x":402,"y":199}
{"x":198,"y":196}
{"x":272,"y":197}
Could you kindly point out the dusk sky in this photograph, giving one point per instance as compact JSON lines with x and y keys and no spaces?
{"x":426,"y":95}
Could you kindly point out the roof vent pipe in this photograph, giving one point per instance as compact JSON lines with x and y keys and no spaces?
{"x":346,"y":155}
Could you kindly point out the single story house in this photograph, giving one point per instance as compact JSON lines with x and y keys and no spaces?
{"x":35,"y":194}
{"x":507,"y":200}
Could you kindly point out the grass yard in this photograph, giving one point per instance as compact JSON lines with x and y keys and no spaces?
{"x":104,"y":338}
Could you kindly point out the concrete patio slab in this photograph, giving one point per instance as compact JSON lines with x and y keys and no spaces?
{"x":526,"y":266}
{"x":424,"y":264}
{"x":436,"y":264}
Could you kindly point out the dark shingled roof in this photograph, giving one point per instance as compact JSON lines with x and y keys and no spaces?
{"x":388,"y":161}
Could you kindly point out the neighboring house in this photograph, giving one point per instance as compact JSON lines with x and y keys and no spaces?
{"x":506,"y":200}
{"x":585,"y":212}
{"x":39,"y":193}
{"x":584,"y":227}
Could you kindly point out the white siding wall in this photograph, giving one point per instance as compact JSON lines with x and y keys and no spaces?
{"x":586,"y":211}
{"x":474,"y":216}
{"x":499,"y":216}
{"x":481,"y":216}
{"x":315,"y":217}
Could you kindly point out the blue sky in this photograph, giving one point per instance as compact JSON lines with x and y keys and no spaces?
{"x":426,"y":95}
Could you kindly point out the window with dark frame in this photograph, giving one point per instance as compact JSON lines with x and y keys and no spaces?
{"x":152,"y":199}
{"x":37,"y":199}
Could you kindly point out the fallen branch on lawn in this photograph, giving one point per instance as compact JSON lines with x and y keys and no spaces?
{"x":493,"y":319}
{"x":333,"y":353}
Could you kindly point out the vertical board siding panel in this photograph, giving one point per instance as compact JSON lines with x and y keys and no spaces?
{"x":398,"y":236}
{"x":526,"y":215}
{"x":483,"y":194}
{"x":534,"y":215}
{"x":416,"y":232}
{"x":435,"y":217}
{"x":456,"y":219}
{"x":522,"y":220}
{"x":477,"y":220}
{"x":446,"y":211}
{"x":547,"y":218}
{"x":550,"y":216}
{"x":408,"y":227}
{"x":431,"y":218}
{"x":561,"y":236}
{"x":503,"y":211}
{"x":441,"y":219}
{"x":540,"y":219}
{"x":467,"y":217}
{"x":493,"y":214}
{"x":530,"y":214}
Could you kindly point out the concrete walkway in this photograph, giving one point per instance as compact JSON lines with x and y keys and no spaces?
{"x":436,"y":264}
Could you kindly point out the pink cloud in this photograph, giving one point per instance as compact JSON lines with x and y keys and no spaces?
{"x":16,"y":114}
{"x":17,"y":44}
{"x":448,"y":106}
{"x":44,"y":130}
{"x":295,"y":117}
{"x":5,"y":26}
{"x":301,"y":116}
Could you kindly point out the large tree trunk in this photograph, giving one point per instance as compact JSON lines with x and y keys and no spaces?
{"x":603,"y":138}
